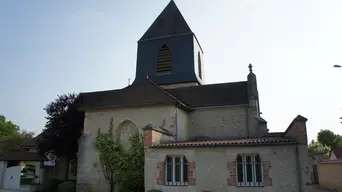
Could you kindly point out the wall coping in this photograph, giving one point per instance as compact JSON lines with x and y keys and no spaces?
{"x":331,"y":161}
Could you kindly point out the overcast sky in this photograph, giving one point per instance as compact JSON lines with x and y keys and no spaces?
{"x":56,"y":47}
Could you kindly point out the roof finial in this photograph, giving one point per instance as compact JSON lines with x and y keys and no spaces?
{"x":250,"y":68}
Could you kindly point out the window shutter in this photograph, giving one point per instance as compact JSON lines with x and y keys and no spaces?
{"x":266,"y":169}
{"x":161,"y":172}
{"x":231,"y":165}
{"x":191,"y":173}
{"x":164,"y":60}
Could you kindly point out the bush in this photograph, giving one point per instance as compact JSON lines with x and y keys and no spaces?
{"x":53,"y":185}
{"x":67,"y":186}
{"x":155,"y":190}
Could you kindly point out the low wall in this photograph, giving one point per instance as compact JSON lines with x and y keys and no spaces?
{"x":330,"y":174}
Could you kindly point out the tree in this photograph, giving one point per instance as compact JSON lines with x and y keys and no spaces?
{"x":316,"y":147}
{"x":122,"y":168}
{"x":109,"y":156}
{"x":27,"y":135}
{"x":7,"y":127}
{"x":64,"y":126}
{"x":329,"y":138}
{"x":11,"y":142}
{"x":10,"y":137}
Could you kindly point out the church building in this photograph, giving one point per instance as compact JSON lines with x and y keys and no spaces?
{"x":197,"y":137}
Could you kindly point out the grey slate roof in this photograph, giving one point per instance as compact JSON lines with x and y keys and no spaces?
{"x":212,"y":95}
{"x":141,"y":93}
{"x":170,"y":22}
{"x":20,"y":156}
{"x":146,"y":92}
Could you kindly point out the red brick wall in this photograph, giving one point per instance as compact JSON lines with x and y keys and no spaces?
{"x":191,"y":173}
{"x":147,"y":138}
{"x":161,"y":173}
{"x":266,"y":168}
{"x":231,"y":165}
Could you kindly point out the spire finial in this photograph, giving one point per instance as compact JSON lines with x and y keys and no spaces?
{"x":250,"y":68}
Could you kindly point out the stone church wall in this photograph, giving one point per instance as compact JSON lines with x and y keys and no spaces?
{"x":89,"y":174}
{"x":218,"y":122}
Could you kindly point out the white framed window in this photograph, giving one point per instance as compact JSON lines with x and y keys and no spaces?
{"x":176,"y":170}
{"x":249,"y":171}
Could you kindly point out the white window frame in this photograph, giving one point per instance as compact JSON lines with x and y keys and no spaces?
{"x":244,"y":183}
{"x":173,"y":182}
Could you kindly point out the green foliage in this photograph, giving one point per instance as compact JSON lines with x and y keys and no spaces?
{"x":329,"y":138}
{"x":67,"y":186}
{"x":10,"y":142}
{"x":10,"y":135}
{"x":7,"y":128}
{"x":122,"y":168}
{"x":316,"y":147}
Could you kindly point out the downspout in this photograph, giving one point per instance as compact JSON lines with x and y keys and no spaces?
{"x":299,"y":173}
{"x":247,"y":121}
{"x":176,"y":124}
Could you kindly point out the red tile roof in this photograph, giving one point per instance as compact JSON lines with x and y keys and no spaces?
{"x":232,"y":142}
{"x":338,"y":152}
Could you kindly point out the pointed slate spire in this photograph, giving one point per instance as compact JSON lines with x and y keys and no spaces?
{"x":170,"y":22}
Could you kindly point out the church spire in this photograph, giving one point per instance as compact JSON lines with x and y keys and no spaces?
{"x":252,"y":84}
{"x":170,"y":22}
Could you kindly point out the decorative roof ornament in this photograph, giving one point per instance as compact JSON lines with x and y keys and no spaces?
{"x":250,"y":68}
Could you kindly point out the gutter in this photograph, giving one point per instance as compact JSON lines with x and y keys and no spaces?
{"x":176,"y":124}
{"x":299,"y":173}
{"x":221,"y":145}
{"x":221,"y":106}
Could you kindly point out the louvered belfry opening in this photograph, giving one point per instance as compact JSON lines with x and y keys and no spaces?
{"x":199,"y":65}
{"x":164,"y":60}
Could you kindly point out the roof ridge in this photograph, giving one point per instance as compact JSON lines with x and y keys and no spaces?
{"x":207,"y":85}
{"x":167,"y":93}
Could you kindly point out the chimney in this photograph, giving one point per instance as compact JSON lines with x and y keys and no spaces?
{"x":297,"y":130}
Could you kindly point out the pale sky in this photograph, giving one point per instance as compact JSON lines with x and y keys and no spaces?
{"x":56,"y":47}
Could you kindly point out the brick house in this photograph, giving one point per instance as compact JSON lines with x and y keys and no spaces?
{"x":197,"y":136}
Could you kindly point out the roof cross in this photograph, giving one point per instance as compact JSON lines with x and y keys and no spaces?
{"x":250,"y":68}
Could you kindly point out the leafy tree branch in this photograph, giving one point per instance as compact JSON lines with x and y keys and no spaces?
{"x":122,"y":168}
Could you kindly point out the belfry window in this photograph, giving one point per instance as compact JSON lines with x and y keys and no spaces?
{"x":164,"y":60}
{"x":199,"y":65}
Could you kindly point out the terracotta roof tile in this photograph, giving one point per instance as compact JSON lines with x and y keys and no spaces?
{"x":232,"y":142}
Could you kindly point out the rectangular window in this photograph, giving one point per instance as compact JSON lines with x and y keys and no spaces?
{"x":176,"y":170}
{"x":249,"y":172}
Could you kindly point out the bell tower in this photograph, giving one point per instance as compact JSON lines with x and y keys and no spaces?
{"x":169,"y":52}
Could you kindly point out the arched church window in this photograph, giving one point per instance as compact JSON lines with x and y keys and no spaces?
{"x":199,"y":60}
{"x":124,"y":132}
{"x":164,"y":60}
